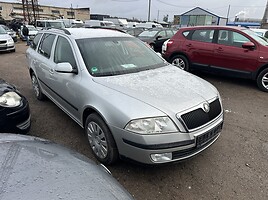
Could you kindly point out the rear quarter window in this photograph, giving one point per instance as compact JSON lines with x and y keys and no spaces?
{"x":186,"y":33}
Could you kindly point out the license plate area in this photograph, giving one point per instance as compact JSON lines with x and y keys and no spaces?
{"x":208,"y":136}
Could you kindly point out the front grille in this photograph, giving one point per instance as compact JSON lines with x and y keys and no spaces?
{"x":199,"y":117}
{"x":3,"y":42}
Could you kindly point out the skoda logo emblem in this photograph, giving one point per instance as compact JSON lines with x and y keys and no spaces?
{"x":206,"y":107}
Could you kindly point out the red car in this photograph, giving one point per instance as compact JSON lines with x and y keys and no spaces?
{"x":234,"y":51}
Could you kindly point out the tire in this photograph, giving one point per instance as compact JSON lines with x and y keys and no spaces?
{"x":262,"y":80}
{"x":180,"y":61}
{"x":101,"y":140}
{"x":36,"y":87}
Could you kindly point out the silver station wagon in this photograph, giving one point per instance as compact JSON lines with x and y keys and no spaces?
{"x":131,"y":103}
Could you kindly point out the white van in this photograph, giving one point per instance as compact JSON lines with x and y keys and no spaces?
{"x":70,"y":22}
{"x":46,"y":24}
{"x":149,"y":25}
{"x":90,"y":23}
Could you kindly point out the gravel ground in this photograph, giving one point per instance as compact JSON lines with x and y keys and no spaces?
{"x":235,"y":167}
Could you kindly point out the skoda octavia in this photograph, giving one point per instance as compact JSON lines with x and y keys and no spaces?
{"x":131,"y":103}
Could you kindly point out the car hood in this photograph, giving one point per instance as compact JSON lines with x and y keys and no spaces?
{"x":4,"y":37}
{"x":5,"y":87}
{"x":34,"y":168}
{"x":168,"y":89}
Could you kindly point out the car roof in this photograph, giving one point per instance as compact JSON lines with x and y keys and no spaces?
{"x":81,"y":33}
{"x":214,"y":27}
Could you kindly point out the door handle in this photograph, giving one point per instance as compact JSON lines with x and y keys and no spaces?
{"x":51,"y":71}
{"x":189,"y":45}
{"x":220,"y":49}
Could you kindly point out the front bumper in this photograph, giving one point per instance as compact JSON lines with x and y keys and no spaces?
{"x":179,"y":146}
{"x":7,"y":48}
{"x":17,"y":119}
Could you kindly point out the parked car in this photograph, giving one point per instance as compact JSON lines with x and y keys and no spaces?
{"x":261,"y":32}
{"x":135,"y":31}
{"x":6,"y":41}
{"x":32,"y":32}
{"x":10,"y":32}
{"x":14,"y":110}
{"x":233,"y":51}
{"x":156,"y":37}
{"x":46,"y":24}
{"x":129,"y":100}
{"x":34,"y":168}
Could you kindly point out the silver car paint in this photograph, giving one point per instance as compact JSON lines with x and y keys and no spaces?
{"x":119,"y":99}
{"x":33,"y":168}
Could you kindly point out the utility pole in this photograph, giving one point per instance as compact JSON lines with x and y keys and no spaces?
{"x":264,"y":19}
{"x":228,"y":12}
{"x":149,"y":11}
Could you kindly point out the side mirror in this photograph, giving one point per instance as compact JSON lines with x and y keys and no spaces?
{"x":65,"y":68}
{"x":249,"y":45}
{"x":158,"y":37}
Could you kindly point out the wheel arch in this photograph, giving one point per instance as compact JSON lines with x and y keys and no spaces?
{"x":256,"y":74}
{"x":179,"y":53}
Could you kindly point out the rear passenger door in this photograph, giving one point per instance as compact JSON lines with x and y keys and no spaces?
{"x":200,"y":47}
{"x":44,"y":63}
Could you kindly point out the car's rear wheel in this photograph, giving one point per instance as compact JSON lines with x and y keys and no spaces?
{"x":181,"y":62}
{"x":36,"y":87}
{"x":101,"y":140}
{"x":262,"y":80}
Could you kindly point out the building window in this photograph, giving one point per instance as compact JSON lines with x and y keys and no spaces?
{"x":17,"y":8}
{"x":55,"y":11}
{"x":70,"y":13}
{"x":1,"y":8}
{"x":40,"y":10}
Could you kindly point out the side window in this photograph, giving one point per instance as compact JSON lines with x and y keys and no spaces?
{"x":63,"y":52}
{"x":203,"y":35}
{"x":232,"y":38}
{"x":224,"y":38}
{"x":170,"y":33}
{"x":186,"y":33}
{"x":46,"y":45}
{"x":162,"y":33}
{"x":35,"y":41}
{"x":40,"y":24}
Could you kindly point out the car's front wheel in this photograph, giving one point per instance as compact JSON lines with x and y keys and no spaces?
{"x":262,"y":80}
{"x":100,"y":140}
{"x":181,"y":62}
{"x":36,"y":87}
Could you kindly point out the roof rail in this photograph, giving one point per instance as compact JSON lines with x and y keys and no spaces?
{"x":105,"y":27}
{"x":62,"y":29}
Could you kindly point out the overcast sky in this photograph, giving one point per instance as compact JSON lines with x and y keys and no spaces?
{"x":159,"y":8}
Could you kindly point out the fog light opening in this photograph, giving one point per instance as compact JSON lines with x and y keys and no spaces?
{"x":161,"y":157}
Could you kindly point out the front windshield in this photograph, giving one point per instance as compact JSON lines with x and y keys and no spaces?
{"x":148,"y":33}
{"x":2,"y":30}
{"x":114,"y":56}
{"x":256,"y":37}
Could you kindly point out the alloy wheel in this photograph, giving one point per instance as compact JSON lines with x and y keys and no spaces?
{"x":265,"y":80}
{"x":35,"y":86}
{"x":178,"y":62}
{"x":97,"y":140}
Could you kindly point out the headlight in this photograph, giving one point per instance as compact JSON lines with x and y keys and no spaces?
{"x":151,"y":125}
{"x":10,"y":40}
{"x":10,"y":99}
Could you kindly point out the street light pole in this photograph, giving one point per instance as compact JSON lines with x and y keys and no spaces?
{"x":149,"y":11}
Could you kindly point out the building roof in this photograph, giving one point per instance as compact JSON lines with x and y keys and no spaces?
{"x":210,"y":13}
